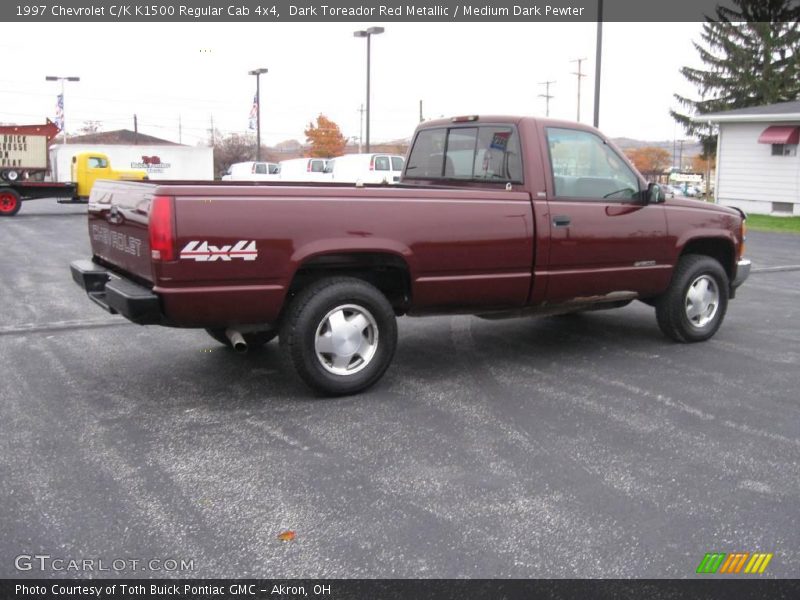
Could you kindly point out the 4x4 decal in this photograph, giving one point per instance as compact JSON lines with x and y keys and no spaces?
{"x":205,"y":252}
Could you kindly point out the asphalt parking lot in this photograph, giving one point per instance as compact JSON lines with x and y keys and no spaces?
{"x":588,"y":446}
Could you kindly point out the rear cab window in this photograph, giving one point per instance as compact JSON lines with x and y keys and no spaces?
{"x":467,"y":153}
{"x":397,"y":163}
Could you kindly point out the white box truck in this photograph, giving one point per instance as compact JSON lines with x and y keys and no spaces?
{"x":174,"y":162}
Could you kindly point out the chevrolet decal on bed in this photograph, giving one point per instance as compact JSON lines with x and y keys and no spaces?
{"x":205,"y":252}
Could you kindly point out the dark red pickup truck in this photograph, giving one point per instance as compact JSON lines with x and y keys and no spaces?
{"x":494,"y":216}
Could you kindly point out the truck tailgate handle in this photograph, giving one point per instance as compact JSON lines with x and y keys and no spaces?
{"x":561,"y":221}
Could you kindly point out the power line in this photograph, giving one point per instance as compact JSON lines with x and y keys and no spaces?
{"x":546,"y":96}
{"x":580,"y":75}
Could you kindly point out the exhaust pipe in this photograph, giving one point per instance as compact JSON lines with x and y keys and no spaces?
{"x":237,"y":340}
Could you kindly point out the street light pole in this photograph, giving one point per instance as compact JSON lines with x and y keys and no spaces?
{"x":63,"y":101}
{"x":598,"y":59}
{"x":368,"y":33}
{"x":257,"y":73}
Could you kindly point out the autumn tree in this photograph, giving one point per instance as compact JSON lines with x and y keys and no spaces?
{"x":650,"y":161}
{"x":701,"y":164}
{"x":325,"y":137}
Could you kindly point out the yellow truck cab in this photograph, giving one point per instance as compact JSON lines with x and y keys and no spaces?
{"x":88,"y":167}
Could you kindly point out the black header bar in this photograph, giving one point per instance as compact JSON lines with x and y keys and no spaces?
{"x":381,"y":11}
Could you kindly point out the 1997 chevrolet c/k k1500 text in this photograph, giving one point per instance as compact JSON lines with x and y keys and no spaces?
{"x":494,"y":216}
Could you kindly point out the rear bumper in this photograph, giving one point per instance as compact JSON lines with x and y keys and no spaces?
{"x":742,"y":273}
{"x":116,"y":295}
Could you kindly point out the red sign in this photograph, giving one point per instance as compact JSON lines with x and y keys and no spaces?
{"x":49,"y":129}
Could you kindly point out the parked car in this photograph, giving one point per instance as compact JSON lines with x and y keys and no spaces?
{"x":668,"y":190}
{"x":304,"y":169}
{"x":252,"y":171}
{"x":366,"y":168}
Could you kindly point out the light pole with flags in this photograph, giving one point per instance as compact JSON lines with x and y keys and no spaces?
{"x":257,"y":105}
{"x":60,"y":119}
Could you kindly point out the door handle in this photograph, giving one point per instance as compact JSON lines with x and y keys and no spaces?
{"x":561,"y":221}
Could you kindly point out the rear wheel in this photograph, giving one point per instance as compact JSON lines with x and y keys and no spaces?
{"x":694,"y":306}
{"x":254,"y":339}
{"x":340,"y":335}
{"x":9,"y":203}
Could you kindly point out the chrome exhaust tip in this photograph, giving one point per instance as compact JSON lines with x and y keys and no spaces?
{"x":237,"y":340}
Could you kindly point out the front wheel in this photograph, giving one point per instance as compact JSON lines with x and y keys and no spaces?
{"x":10,"y":203}
{"x":340,"y":335}
{"x":694,"y":306}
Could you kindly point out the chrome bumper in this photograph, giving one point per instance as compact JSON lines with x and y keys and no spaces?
{"x":742,"y":273}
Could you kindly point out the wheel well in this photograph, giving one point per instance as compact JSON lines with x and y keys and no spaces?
{"x":719,"y":249}
{"x":387,"y":272}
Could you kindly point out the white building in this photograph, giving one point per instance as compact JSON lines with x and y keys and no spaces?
{"x":758,"y":166}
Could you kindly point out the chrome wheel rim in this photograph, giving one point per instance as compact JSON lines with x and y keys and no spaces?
{"x":702,"y":301}
{"x":346,"y":339}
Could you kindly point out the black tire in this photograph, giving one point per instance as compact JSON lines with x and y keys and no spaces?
{"x":10,"y":202}
{"x":254,"y":339}
{"x":309,"y":321}
{"x":686,"y":320}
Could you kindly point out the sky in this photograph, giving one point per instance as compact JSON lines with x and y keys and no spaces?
{"x":191,"y":73}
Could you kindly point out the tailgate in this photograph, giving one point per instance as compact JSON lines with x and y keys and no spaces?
{"x":118,"y":217}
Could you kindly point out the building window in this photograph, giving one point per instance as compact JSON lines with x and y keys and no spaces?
{"x":783,"y":208}
{"x":784,"y":149}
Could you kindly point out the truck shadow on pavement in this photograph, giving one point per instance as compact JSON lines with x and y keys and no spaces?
{"x":431,"y":352}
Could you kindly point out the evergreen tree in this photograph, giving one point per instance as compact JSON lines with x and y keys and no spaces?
{"x":752,"y":54}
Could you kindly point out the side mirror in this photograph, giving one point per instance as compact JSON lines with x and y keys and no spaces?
{"x":654,"y":194}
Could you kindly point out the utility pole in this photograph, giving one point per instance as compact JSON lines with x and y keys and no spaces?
{"x":546,"y":96}
{"x":213,"y":138}
{"x":598,"y":61}
{"x":360,"y":127}
{"x":135,"y":129}
{"x":580,"y":75}
{"x":420,"y":112}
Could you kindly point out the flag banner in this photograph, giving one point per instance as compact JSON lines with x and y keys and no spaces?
{"x":59,"y":120}
{"x":253,"y":123}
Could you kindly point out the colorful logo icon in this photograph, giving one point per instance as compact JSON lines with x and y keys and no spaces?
{"x":720,"y":562}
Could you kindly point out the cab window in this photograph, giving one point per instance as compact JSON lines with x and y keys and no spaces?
{"x":381,"y":163}
{"x":472,"y":153}
{"x":97,"y":162}
{"x":261,"y":169}
{"x":397,"y":163}
{"x":584,"y":166}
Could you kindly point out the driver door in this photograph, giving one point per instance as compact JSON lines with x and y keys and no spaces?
{"x":604,"y":237}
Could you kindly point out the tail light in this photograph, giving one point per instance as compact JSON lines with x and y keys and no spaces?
{"x":308,"y":167}
{"x":372,"y":163}
{"x":162,"y":228}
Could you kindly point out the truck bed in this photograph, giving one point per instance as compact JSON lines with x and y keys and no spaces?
{"x":449,"y":240}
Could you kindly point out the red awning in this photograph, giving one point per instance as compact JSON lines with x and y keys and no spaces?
{"x":780,"y":134}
